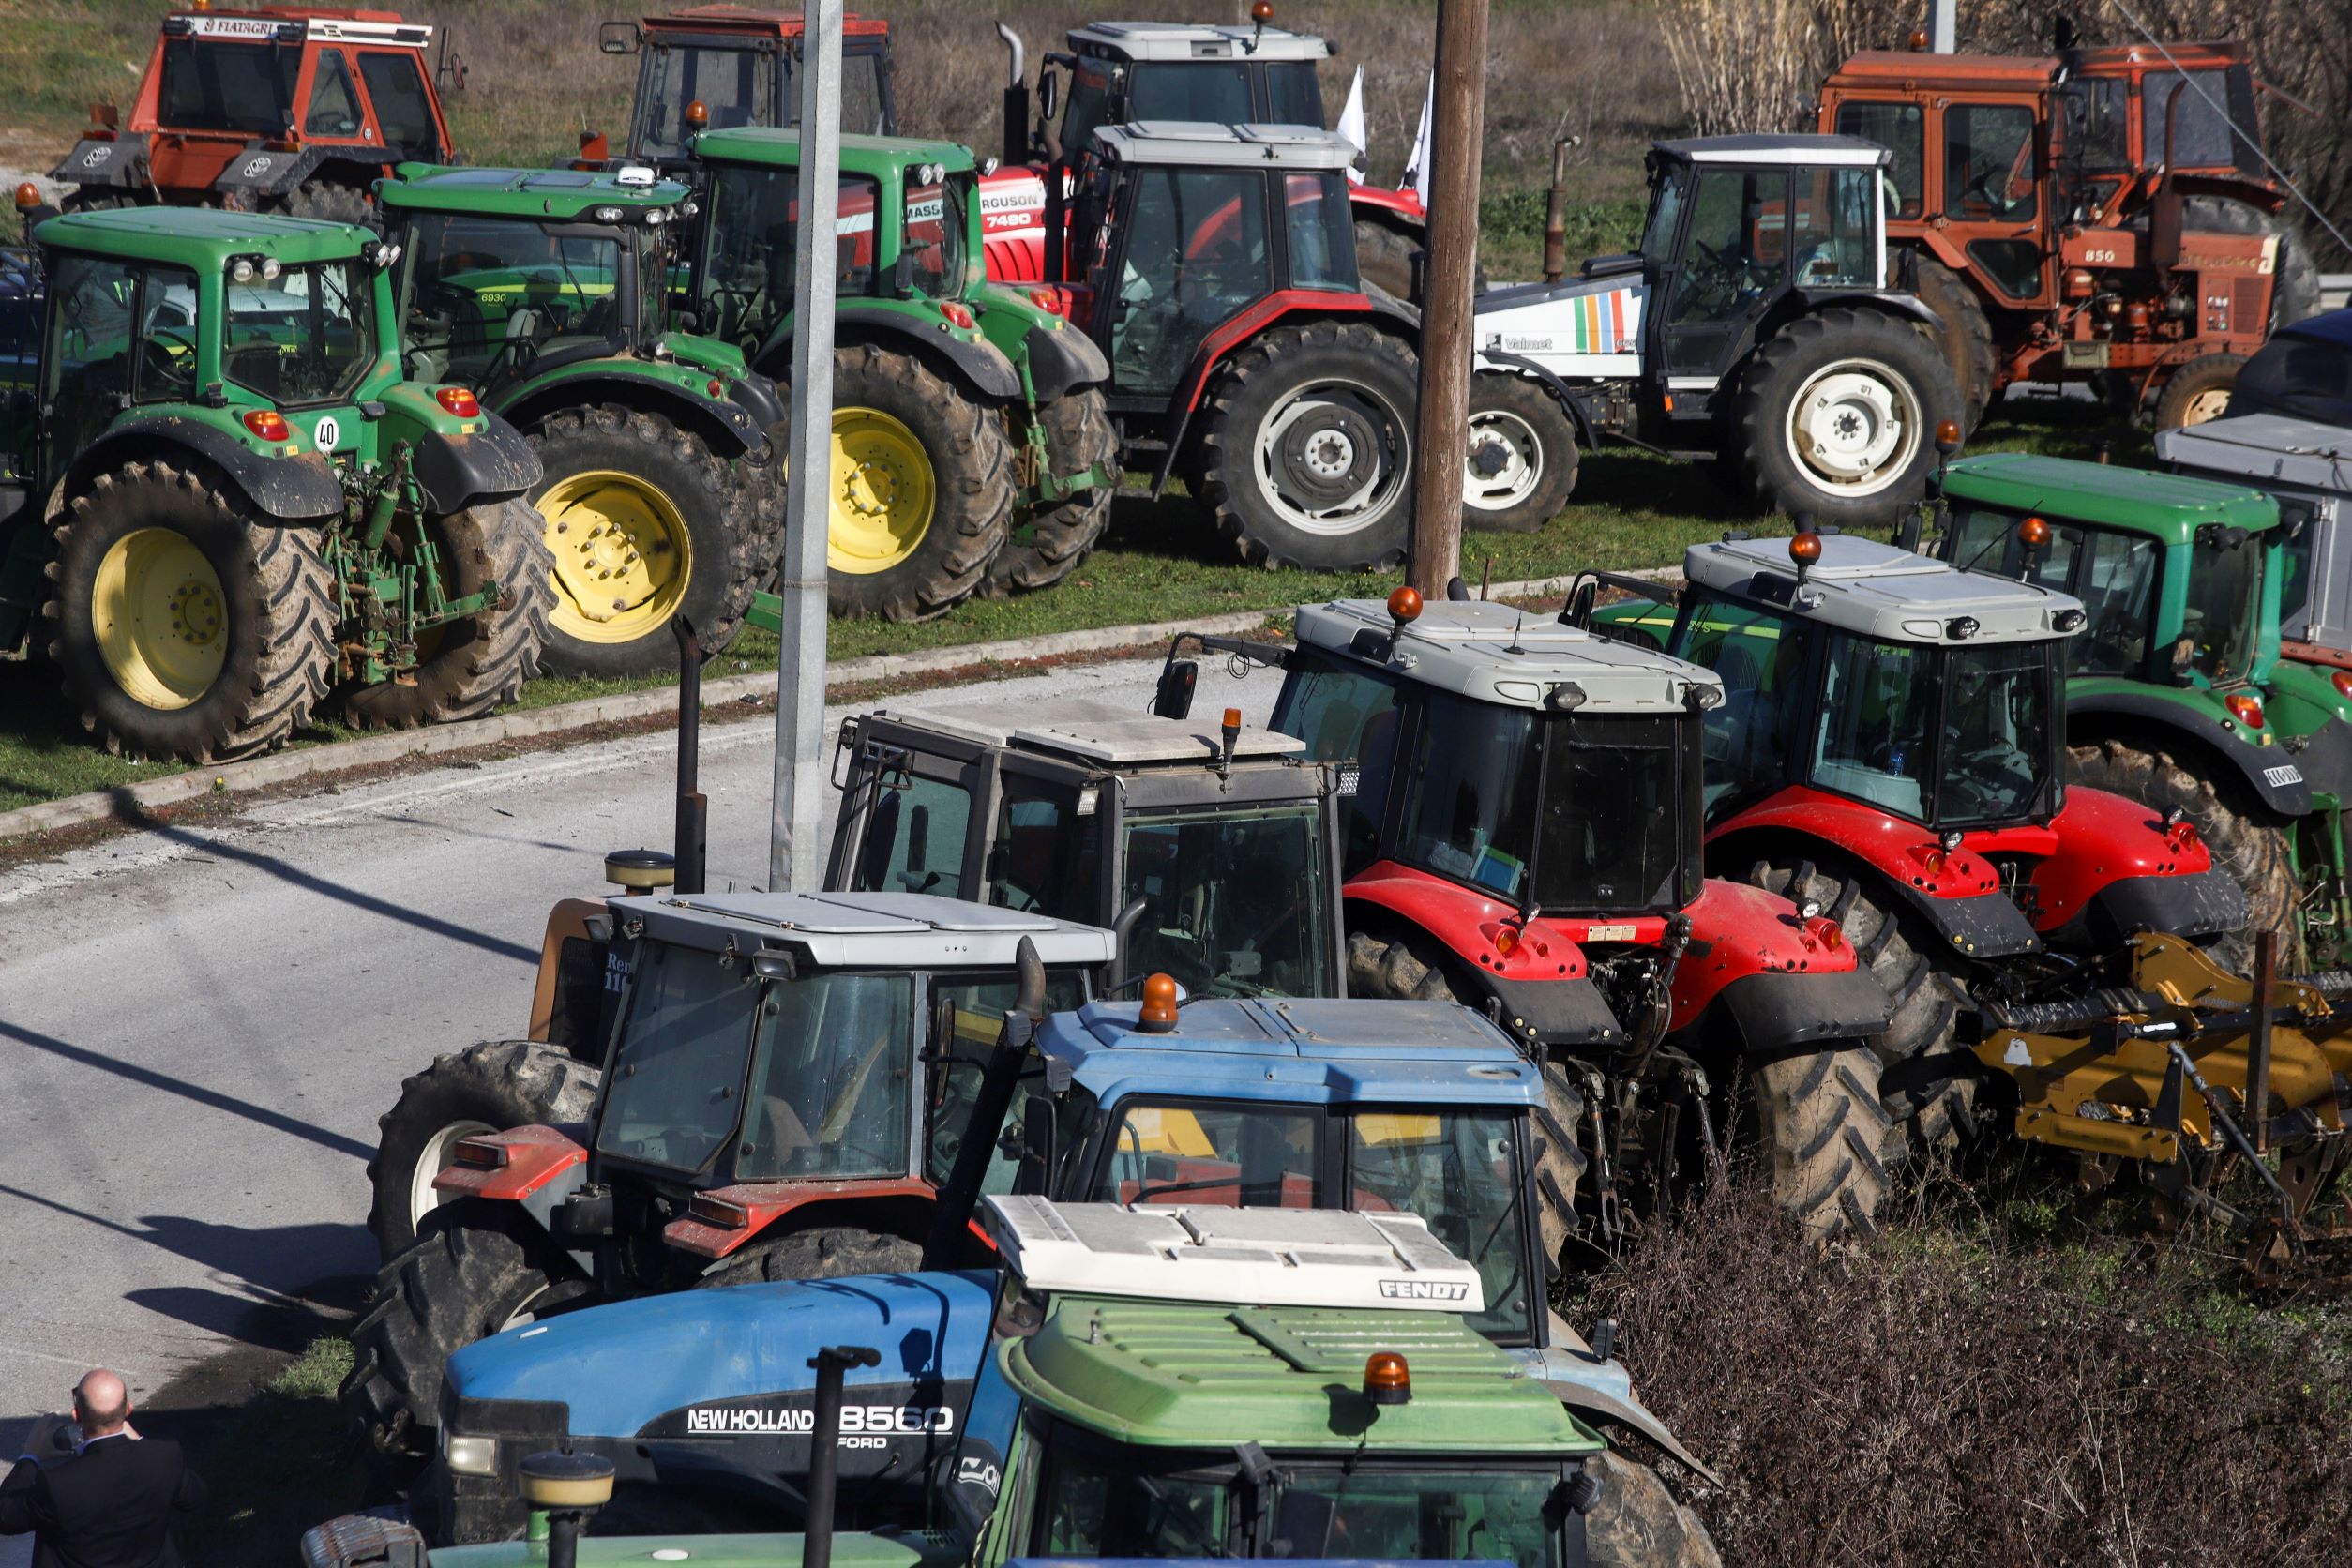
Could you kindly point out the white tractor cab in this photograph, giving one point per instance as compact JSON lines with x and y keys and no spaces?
{"x":1757,"y":323}
{"x":2306,"y":467}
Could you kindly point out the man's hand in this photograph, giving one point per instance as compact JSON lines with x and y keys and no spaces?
{"x":51,"y":1438}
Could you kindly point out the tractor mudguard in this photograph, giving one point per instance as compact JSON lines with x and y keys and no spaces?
{"x":116,"y":165}
{"x":496,"y":464}
{"x":2196,"y":904}
{"x":1399,"y":210}
{"x":528,"y":1160}
{"x":259,"y":174}
{"x":581,"y":976}
{"x":1963,"y":902}
{"x":1784,"y":978}
{"x":1892,"y":301}
{"x":1562,"y":392}
{"x":980,"y":365}
{"x":298,"y":489}
{"x":763,"y":1203}
{"x":730,"y":430}
{"x":2114,"y":867}
{"x":1060,"y":361}
{"x":2325,"y":758}
{"x":1302,"y":304}
{"x":2153,"y":718}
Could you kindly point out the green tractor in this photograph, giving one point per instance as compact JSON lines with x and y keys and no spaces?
{"x":220,"y":501}
{"x":973,"y":450}
{"x":547,"y":292}
{"x":2177,"y":696}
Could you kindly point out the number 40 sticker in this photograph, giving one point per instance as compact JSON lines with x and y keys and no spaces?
{"x":326,"y":432}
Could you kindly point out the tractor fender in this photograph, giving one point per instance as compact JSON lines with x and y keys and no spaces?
{"x":1543,"y":988}
{"x":2116,"y":870}
{"x":979,"y":365}
{"x":730,"y":431}
{"x":259,"y":174}
{"x":456,"y":472}
{"x":581,"y":976}
{"x":1894,"y":302}
{"x":1061,"y":360}
{"x":1963,"y":903}
{"x":1562,"y":394}
{"x":1400,"y":210}
{"x":1281,"y":306}
{"x":119,"y":164}
{"x":1783,"y":979}
{"x":767,"y":1203}
{"x":2157,"y":720}
{"x":294,"y":491}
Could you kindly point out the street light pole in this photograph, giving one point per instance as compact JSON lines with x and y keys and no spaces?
{"x":800,"y":677}
{"x":1458,"y":126}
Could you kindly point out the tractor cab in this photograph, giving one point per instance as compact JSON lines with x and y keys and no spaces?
{"x":1120,"y":72}
{"x":1211,"y":849}
{"x":715,"y":67}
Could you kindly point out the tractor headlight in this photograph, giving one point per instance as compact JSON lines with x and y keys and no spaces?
{"x":468,"y":1455}
{"x":241,"y":270}
{"x":270,"y":269}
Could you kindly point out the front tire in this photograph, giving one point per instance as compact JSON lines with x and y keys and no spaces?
{"x":1835,"y":418}
{"x":187,"y":624}
{"x":1521,"y":465}
{"x":467,"y":668}
{"x":1306,"y":457}
{"x":2198,"y":391}
{"x":1047,"y":543}
{"x":829,"y":1252}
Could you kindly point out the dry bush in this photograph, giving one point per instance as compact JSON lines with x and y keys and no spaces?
{"x":1754,"y":65}
{"x":1939,"y":1400}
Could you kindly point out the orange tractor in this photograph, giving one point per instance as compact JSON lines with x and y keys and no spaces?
{"x":2096,"y":214}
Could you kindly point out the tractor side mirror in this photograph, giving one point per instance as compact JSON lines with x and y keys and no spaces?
{"x":620,"y":37}
{"x":902,"y":275}
{"x":1578,"y":611}
{"x":449,"y":75}
{"x":1048,"y":94}
{"x":1174,"y":697}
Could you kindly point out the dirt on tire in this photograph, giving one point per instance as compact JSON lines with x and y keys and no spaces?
{"x":1636,"y":1522}
{"x":466,"y":668}
{"x":1048,"y":540}
{"x":826,"y":1252}
{"x":1823,"y":1137}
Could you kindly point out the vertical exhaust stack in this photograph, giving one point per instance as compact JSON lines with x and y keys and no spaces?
{"x":1555,"y":215}
{"x":824,"y":1446}
{"x":694,"y":807}
{"x":1015,"y":98}
{"x":951,"y":1216}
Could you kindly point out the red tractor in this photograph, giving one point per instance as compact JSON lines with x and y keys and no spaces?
{"x":2097,"y":214}
{"x":742,"y":66}
{"x":1119,"y":72}
{"x":293,"y":108}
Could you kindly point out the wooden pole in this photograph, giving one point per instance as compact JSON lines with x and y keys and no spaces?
{"x":1458,"y":127}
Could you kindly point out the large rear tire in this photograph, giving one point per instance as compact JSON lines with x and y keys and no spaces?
{"x":184,"y":622}
{"x":1835,"y":418}
{"x":2294,"y":280}
{"x":645,"y":523}
{"x":492,"y":1087}
{"x":1823,"y":1137}
{"x":1963,"y":334}
{"x":467,"y":668}
{"x":921,"y":485}
{"x":829,"y":1252}
{"x":1049,"y":540}
{"x":1307,"y":450}
{"x":1636,"y":1523}
{"x":1522,"y":462}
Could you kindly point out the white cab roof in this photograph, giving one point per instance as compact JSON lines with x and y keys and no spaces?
{"x":1085,"y":729}
{"x":1190,"y":40}
{"x":1232,"y":1257}
{"x":866,"y":930}
{"x":1864,"y":587}
{"x":2269,"y":450}
{"x":1850,"y":152}
{"x":1495,"y":653}
{"x":324,"y":29}
{"x":1197,"y":142}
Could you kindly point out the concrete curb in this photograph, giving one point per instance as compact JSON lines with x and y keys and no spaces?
{"x":286,"y":766}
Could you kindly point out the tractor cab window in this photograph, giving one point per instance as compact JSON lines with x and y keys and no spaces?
{"x":404,"y":110}
{"x":1512,"y":1517}
{"x":2200,"y":109}
{"x":2224,"y":602}
{"x":1665,"y":214}
{"x":1090,"y":106}
{"x":1989,"y":163}
{"x":1345,"y":715}
{"x":213,"y":84}
{"x":1733,"y":256}
{"x":109,"y":339}
{"x":864,"y":109}
{"x":305,"y":336}
{"x":2113,"y":574}
{"x":491,"y":300}
{"x":747,"y":272}
{"x":1833,"y":230}
{"x":914,"y":839}
{"x":1994,"y":752}
{"x":1217,"y":91}
{"x":830,"y":1078}
{"x":1321,"y":232}
{"x":1196,"y":253}
{"x":2098,"y":122}
{"x":1214,"y":1155}
{"x":1748,"y":742}
{"x":1294,"y":95}
{"x":1234,"y":899}
{"x":1460,"y":1174}
{"x":1107,"y":1499}
{"x":737,"y":86}
{"x":334,"y":100}
{"x":677,"y":1074}
{"x":1902,"y":129}
{"x":1876,"y":738}
{"x":967,"y":1019}
{"x":1045,"y":847}
{"x":936,"y":234}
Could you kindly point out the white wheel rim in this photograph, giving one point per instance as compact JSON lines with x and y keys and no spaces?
{"x":1330,"y":450}
{"x":423,"y":1198}
{"x":2209,"y":404}
{"x":1854,"y":427}
{"x":1495,"y":431}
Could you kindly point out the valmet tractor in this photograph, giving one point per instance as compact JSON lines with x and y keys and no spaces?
{"x":220,"y":501}
{"x":1186,"y":1380}
{"x":1892,"y":748}
{"x":2177,"y":697}
{"x":2098,"y":214}
{"x":765,"y":1108}
{"x":1393,"y":1107}
{"x":973,"y":450}
{"x":1523,"y":836}
{"x":1761,"y":327}
{"x":543,"y":291}
{"x":293,"y":108}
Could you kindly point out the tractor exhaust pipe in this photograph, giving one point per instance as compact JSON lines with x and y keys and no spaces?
{"x":694,"y":808}
{"x":824,"y":1446}
{"x":1556,"y":213}
{"x":1016,"y":99}
{"x":958,"y":1195}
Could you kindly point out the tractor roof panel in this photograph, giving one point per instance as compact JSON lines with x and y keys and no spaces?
{"x":558,"y":193}
{"x":778,"y":146}
{"x":2166,"y":506}
{"x":1862,"y":585}
{"x":754,"y":22}
{"x":1493,"y":653}
{"x":1198,"y":142}
{"x":312,"y":23}
{"x":893,"y":930}
{"x":202,"y":236}
{"x":1846,"y":151}
{"x":1103,"y":734}
{"x":1188,"y":40}
{"x":1895,"y":68}
{"x":2271,"y":451}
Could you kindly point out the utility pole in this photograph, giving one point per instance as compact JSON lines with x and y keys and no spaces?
{"x":1459,"y":119}
{"x":800,"y":676}
{"x":1943,"y":27}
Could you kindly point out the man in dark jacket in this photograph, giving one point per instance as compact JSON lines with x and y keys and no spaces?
{"x":110,"y":1505}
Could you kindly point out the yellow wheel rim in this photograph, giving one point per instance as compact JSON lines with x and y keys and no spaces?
{"x":622,"y":556}
{"x":884,"y":493}
{"x":161,"y":618}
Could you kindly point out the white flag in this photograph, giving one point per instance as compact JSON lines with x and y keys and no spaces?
{"x":1351,"y":124}
{"x":1417,"y":166}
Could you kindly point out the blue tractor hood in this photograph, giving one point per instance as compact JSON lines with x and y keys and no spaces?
{"x":626,"y":1365}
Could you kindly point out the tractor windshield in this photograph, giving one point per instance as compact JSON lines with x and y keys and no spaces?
{"x":491,"y":300}
{"x":1236,"y":903}
{"x":735,"y":86}
{"x":303,"y":338}
{"x":1760,"y":656}
{"x":829,"y":1079}
{"x":215,"y":84}
{"x":2113,"y":573}
{"x":1996,"y":751}
{"x":747,"y":274}
{"x":1985,"y":758}
{"x":678,"y":1072}
{"x":2223,"y":607}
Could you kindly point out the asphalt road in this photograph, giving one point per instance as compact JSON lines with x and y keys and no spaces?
{"x":200,"y":1026}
